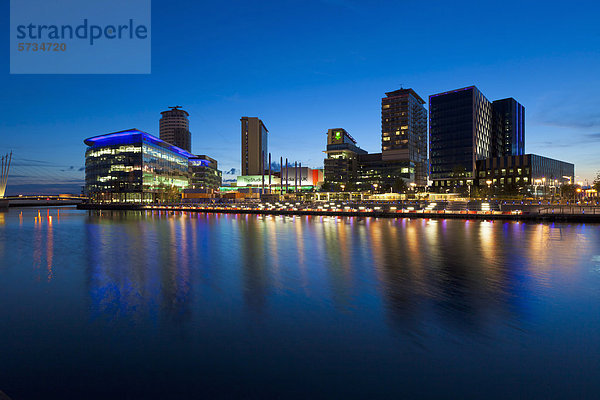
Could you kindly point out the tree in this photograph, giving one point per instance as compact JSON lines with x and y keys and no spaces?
{"x":478,"y":192}
{"x":173,"y":195}
{"x":462,"y":190}
{"x":168,"y":194}
{"x":325,"y":186}
{"x":350,"y":187}
{"x":596,"y":184}
{"x":568,"y":191}
{"x":509,"y":189}
{"x":385,"y":187}
{"x":399,"y":186}
{"x":329,"y":187}
{"x":161,"y":190}
{"x":459,"y":171}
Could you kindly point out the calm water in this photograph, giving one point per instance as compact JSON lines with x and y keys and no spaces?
{"x":142,"y":305}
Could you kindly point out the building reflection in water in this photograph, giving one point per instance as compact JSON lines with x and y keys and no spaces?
{"x":253,"y":251}
{"x":49,"y":249}
{"x":43,"y":245}
{"x":138,"y":265}
{"x":412,"y":274}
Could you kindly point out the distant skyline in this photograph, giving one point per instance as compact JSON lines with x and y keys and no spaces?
{"x":306,"y":66}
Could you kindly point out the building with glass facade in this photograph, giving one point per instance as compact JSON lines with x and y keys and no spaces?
{"x":404,"y":131}
{"x":509,"y":126}
{"x":460,"y":133}
{"x":521,"y":173}
{"x":341,"y":164}
{"x":376,"y":173}
{"x":203,"y":173}
{"x":133,"y":167}
{"x":464,"y":128}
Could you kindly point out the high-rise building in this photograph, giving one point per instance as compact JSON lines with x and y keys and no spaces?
{"x":254,"y":146}
{"x":509,"y":126}
{"x":404,"y":131}
{"x":341,"y":164}
{"x":174,"y":128}
{"x":460,"y":133}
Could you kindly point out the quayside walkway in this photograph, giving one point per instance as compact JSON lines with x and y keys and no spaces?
{"x":465,"y":210}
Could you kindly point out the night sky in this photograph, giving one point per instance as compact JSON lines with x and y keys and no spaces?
{"x":305,"y":66}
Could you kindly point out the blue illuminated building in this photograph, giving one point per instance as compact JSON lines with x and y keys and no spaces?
{"x":132,"y":166}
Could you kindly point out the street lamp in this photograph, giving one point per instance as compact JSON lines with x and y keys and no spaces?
{"x":537,"y":184}
{"x":489,"y":183}
{"x":544,"y":186}
{"x":375,"y":186}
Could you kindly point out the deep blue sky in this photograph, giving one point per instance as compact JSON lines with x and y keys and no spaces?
{"x":305,"y":66}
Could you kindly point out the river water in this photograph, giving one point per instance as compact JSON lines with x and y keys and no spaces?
{"x":146,"y":305}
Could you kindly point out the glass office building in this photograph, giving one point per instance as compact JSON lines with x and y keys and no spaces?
{"x":133,"y":167}
{"x":509,"y":126}
{"x":460,"y":133}
{"x":374,"y":172}
{"x":522,"y":172}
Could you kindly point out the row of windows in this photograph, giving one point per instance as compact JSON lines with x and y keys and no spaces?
{"x":504,"y":171}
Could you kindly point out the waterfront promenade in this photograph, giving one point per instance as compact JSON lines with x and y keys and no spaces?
{"x":407,"y":209}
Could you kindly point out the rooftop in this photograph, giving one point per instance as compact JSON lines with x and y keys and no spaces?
{"x":405,"y":92}
{"x":133,"y":135}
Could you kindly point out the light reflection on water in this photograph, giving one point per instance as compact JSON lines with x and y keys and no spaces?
{"x":227,"y":305}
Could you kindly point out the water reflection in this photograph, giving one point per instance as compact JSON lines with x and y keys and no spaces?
{"x":138,"y":267}
{"x":463,"y":274}
{"x":42,"y":245}
{"x":253,"y":249}
{"x":196,"y":299}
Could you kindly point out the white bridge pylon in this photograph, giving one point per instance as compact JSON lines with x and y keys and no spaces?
{"x":4,"y":173}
